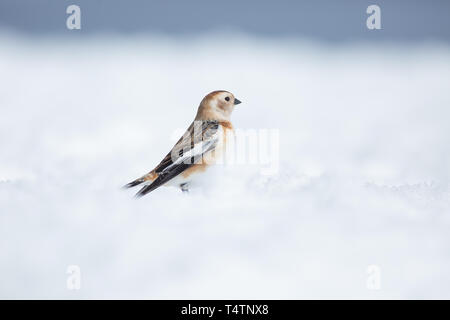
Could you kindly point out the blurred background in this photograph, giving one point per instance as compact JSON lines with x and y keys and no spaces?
{"x":363,"y":175}
{"x":322,"y":20}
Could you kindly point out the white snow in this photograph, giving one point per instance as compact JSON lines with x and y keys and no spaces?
{"x":363,"y":177}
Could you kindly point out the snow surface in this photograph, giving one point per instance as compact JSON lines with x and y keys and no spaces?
{"x":363,"y":176}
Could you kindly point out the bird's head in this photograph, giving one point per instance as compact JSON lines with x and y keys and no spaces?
{"x":217,"y":105}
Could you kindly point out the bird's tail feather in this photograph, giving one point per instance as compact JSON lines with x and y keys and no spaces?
{"x":148,"y":178}
{"x":134,"y":183}
{"x":146,"y":189}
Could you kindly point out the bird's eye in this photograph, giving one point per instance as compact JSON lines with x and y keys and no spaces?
{"x":227,"y":98}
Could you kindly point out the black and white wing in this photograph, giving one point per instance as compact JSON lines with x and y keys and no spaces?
{"x":200,"y":138}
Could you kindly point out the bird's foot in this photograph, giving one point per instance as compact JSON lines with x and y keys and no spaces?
{"x":184,"y":187}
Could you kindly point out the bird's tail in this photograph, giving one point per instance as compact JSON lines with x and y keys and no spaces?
{"x":146,"y":178}
{"x":134,"y":183}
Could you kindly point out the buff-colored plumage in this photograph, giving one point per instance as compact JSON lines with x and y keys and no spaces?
{"x":192,"y":155}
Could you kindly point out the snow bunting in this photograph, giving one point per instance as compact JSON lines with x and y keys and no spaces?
{"x":197,"y":149}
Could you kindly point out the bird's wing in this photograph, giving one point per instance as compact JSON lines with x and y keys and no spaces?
{"x":199,"y":139}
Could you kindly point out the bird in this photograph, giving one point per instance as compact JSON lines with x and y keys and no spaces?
{"x":196,"y":151}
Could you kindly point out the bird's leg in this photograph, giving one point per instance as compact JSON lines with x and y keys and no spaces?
{"x":184,"y":187}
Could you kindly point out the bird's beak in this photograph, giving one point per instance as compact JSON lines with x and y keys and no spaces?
{"x":236,"y":101}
